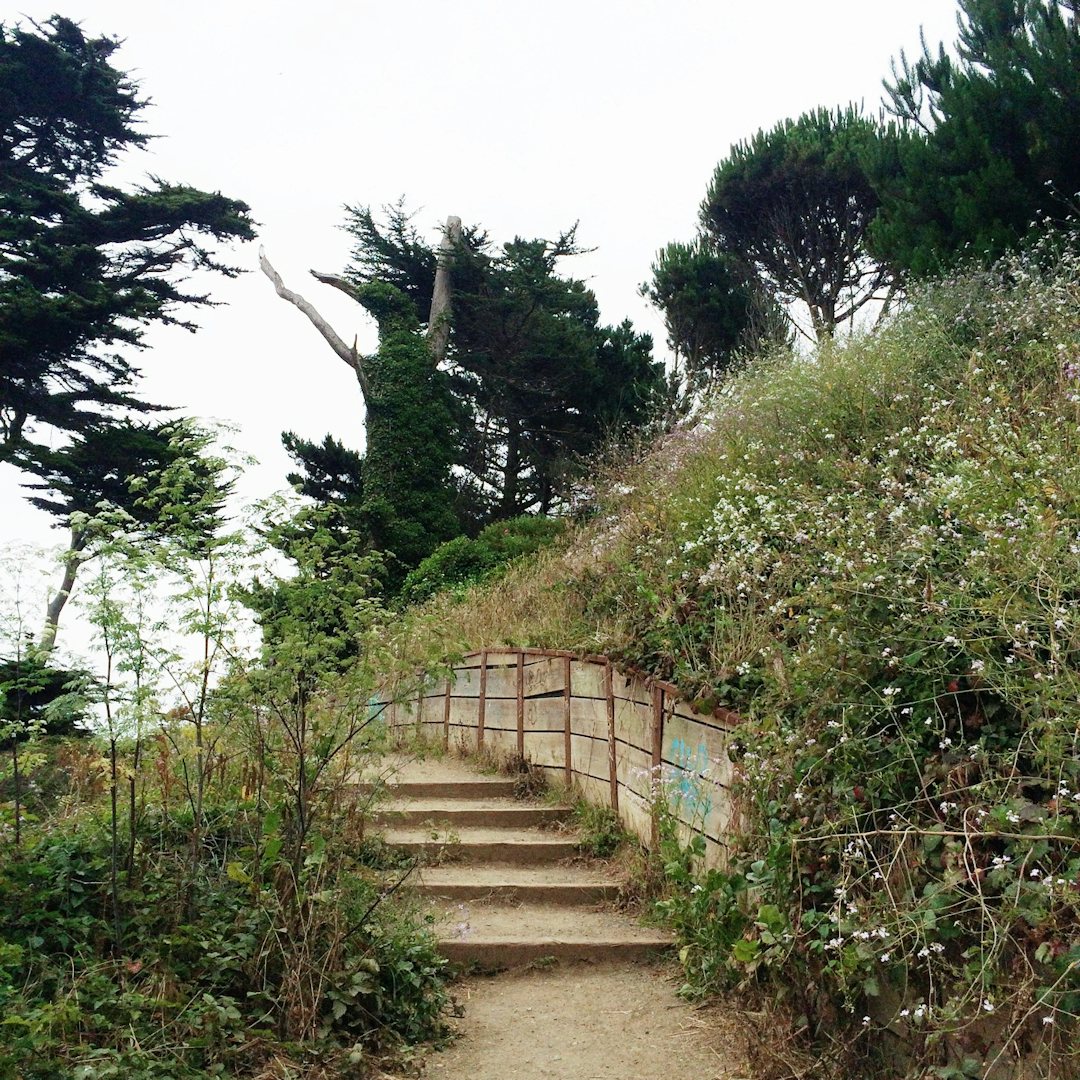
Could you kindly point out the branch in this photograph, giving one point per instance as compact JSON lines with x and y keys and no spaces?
{"x":350,"y":355}
{"x":347,"y":287}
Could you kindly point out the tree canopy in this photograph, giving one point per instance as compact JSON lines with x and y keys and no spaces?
{"x":542,"y":380}
{"x":85,"y":265}
{"x":793,"y":205}
{"x":712,"y":309}
{"x":490,"y":426}
{"x":987,"y":143}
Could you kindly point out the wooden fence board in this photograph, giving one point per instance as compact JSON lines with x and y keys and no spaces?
{"x":545,"y":747}
{"x":636,"y":814}
{"x":633,"y":723}
{"x":590,"y":758}
{"x":589,"y":717}
{"x":694,"y":747}
{"x":630,"y":688}
{"x":538,"y":714}
{"x":634,"y":772}
{"x":587,"y":680}
{"x":467,"y":683}
{"x":681,"y":708}
{"x":502,"y":682}
{"x":465,"y":711}
{"x":432,"y":708}
{"x":547,"y":677}
{"x":698,"y":803}
{"x":592,"y":789}
{"x":495,"y":657}
{"x":501,"y":742}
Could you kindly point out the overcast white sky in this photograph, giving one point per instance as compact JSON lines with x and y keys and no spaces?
{"x":524,"y":117}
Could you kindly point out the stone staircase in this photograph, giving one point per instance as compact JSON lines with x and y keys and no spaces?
{"x":504,"y":877}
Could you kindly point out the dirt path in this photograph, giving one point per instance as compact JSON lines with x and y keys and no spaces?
{"x":583,"y":1022}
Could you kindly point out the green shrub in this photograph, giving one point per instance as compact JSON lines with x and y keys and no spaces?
{"x":217,"y":981}
{"x":463,"y":561}
{"x":600,"y":830}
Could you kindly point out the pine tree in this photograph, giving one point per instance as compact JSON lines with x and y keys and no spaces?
{"x":84,"y":265}
{"x":793,"y":206}
{"x":987,"y":140}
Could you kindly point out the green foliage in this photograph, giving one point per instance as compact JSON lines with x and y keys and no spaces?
{"x":84,"y":265}
{"x":328,"y":602}
{"x":463,"y":561}
{"x":41,"y":698}
{"x":196,"y":897}
{"x":708,"y":913}
{"x":123,"y":485}
{"x":115,"y":465}
{"x":987,"y":146}
{"x":213,"y":994}
{"x":793,"y":206}
{"x":542,"y":380}
{"x":408,"y":504}
{"x":331,"y":473}
{"x":533,"y":381}
{"x":392,"y":251}
{"x":871,"y":555}
{"x":709,"y":309}
{"x":875,"y":563}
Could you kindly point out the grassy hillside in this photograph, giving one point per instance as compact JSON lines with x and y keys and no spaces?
{"x":873,"y":554}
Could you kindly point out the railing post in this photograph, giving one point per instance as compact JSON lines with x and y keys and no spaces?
{"x":483,"y":700}
{"x":655,"y":786}
{"x":446,"y":711}
{"x":393,"y":722}
{"x":521,"y":704}
{"x":568,"y":731}
{"x":613,"y":767}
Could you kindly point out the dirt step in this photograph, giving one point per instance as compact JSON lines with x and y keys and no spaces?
{"x":567,"y":885}
{"x":476,"y":845}
{"x":502,"y":814}
{"x":482,"y":787}
{"x":493,"y":937}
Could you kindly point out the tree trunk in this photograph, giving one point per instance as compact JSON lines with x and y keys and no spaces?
{"x":439,"y":320}
{"x":67,"y":583}
{"x":511,"y":474}
{"x":17,"y":781}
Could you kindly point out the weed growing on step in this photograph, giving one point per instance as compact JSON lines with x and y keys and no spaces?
{"x":600,"y":832}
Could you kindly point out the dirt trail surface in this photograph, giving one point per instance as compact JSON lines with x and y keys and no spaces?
{"x":581,"y":1022}
{"x":584,"y":990}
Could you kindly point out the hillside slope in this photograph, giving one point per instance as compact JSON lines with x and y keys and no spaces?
{"x":873,"y":555}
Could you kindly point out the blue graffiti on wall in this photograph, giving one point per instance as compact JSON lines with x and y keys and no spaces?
{"x":686,"y":782}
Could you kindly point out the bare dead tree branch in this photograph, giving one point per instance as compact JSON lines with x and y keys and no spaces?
{"x":349,"y":354}
{"x":338,"y":282}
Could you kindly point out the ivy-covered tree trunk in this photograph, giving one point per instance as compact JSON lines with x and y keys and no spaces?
{"x":408,"y":504}
{"x":410,"y":428}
